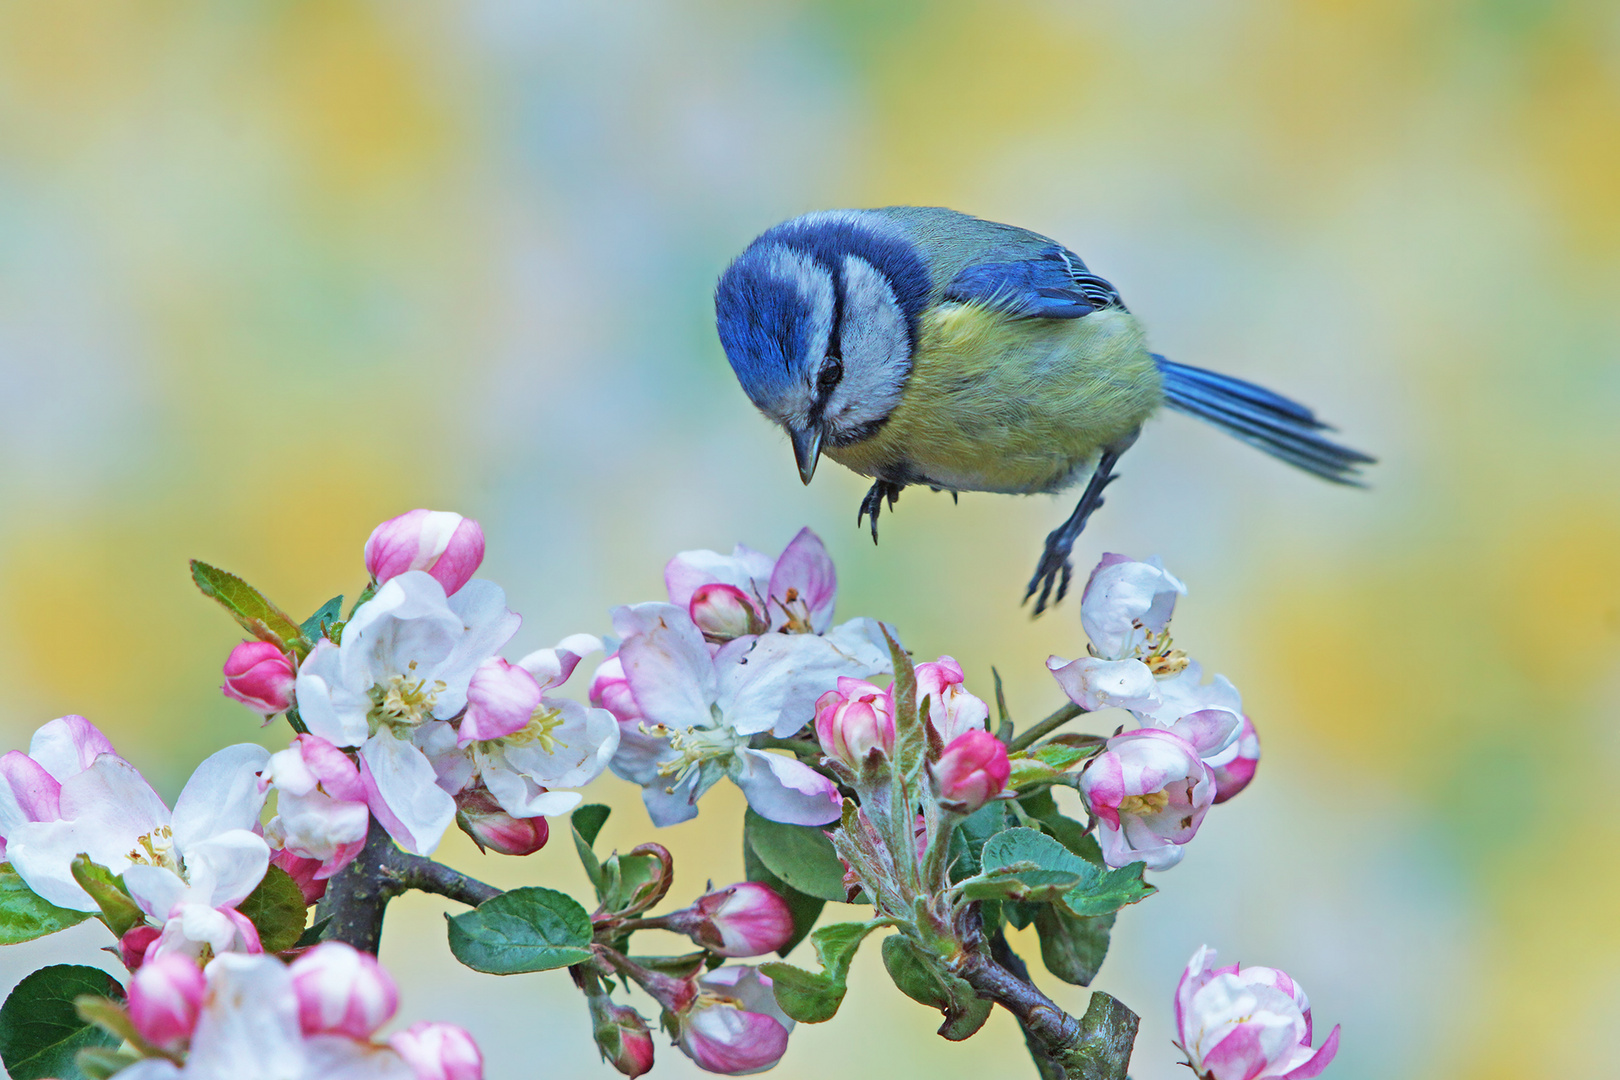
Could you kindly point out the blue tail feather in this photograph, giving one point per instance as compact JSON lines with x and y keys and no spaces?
{"x":1282,"y":428}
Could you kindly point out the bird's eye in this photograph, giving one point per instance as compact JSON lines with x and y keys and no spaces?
{"x":831,"y":373}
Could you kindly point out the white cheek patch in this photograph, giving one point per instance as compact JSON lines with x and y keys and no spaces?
{"x":876,"y":346}
{"x":814,"y":284}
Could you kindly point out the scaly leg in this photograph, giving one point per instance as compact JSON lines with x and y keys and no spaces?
{"x":880,"y":490}
{"x":1055,"y":567}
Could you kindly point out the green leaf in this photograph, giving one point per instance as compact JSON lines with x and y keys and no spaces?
{"x":814,"y":997}
{"x":40,"y":1027}
{"x":1029,"y":855}
{"x":683,"y":966}
{"x":1072,"y":946}
{"x":924,"y":979}
{"x":25,"y":915}
{"x":1041,"y":806}
{"x":1004,"y":729}
{"x":102,"y":1063}
{"x":277,"y":910}
{"x":800,"y":855}
{"x":330,"y":614}
{"x":1107,"y":1033}
{"x":118,"y":910}
{"x":968,"y":840}
{"x":248,"y":607}
{"x":528,"y":929}
{"x":910,"y":728}
{"x":589,"y":819}
{"x":313,"y":935}
{"x":585,"y":823}
{"x":806,"y":909}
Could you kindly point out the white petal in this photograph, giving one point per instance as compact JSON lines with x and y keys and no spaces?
{"x":667,"y":665}
{"x":772,"y":682}
{"x":639,"y":756}
{"x":335,"y":1057}
{"x":520,"y":796}
{"x":330,"y":708}
{"x":223,"y":869}
{"x":408,"y":620}
{"x":67,"y":746}
{"x":248,"y":1029}
{"x":481,"y":607}
{"x":157,"y":890}
{"x":785,"y":789}
{"x":405,"y":781}
{"x":584,"y":744}
{"x":223,"y":794}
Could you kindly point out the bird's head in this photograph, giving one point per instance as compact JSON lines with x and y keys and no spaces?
{"x":819,"y":319}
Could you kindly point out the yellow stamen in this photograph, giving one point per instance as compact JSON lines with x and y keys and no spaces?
{"x":1142,"y":805}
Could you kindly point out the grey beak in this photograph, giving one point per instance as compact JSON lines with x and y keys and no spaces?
{"x":806,"y":450}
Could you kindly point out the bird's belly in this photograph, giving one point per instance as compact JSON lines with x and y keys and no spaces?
{"x":1011,"y":405}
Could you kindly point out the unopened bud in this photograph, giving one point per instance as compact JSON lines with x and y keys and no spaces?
{"x":747,"y":919}
{"x":136,"y":940}
{"x":734,"y":1026}
{"x":342,"y":991}
{"x":438,"y":1051}
{"x":724,"y":612}
{"x":165,"y":996}
{"x":447,"y":546}
{"x":481,"y":817}
{"x":854,"y":720}
{"x":622,"y":1036}
{"x":260,"y":676}
{"x":972,"y":770}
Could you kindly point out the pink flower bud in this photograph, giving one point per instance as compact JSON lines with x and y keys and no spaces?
{"x":854,"y":720}
{"x":302,"y":871}
{"x":610,"y":690}
{"x":724,"y":612}
{"x":734,"y":1026}
{"x":260,"y":676}
{"x":165,"y":996}
{"x":439,"y":1051}
{"x":748,"y":919}
{"x":481,"y":817}
{"x":951,"y":709}
{"x":501,"y":699}
{"x":972,"y":770}
{"x":342,"y":991}
{"x":136,"y":941}
{"x":622,"y":1036}
{"x":1234,"y":767}
{"x":1254,"y":1023}
{"x":448,"y":546}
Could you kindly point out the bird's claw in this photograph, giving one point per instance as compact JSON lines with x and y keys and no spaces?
{"x":1055,"y":569}
{"x":872,"y":504}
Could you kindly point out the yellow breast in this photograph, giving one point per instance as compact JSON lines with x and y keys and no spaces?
{"x":1011,"y":405}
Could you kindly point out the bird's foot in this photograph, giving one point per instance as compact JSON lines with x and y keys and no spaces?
{"x":873,"y":503}
{"x":1054,"y":570}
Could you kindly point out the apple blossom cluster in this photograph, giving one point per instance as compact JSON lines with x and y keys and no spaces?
{"x":1150,"y":788}
{"x":253,"y":1016}
{"x":248,"y":915}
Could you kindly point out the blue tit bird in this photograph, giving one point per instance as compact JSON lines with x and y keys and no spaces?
{"x":918,"y":345}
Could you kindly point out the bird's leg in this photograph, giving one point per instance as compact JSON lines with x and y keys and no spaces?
{"x":1055,"y":567}
{"x":873,"y":502}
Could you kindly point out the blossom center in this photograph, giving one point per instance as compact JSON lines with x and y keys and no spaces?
{"x":403,"y":700}
{"x":797,"y":611}
{"x":156,"y":848}
{"x":1143,"y":805}
{"x":542,"y":722}
{"x":694,"y":747}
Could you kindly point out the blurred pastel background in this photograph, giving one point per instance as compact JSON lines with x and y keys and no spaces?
{"x":271,"y":272}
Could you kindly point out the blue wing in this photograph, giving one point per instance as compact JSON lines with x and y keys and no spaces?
{"x":1054,"y":284}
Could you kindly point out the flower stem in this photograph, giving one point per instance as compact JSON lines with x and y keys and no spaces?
{"x":1045,"y":727}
